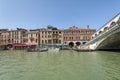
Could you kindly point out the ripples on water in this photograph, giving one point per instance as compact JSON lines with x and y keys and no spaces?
{"x":63,"y":65}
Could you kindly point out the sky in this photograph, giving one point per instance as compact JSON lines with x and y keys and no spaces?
{"x":33,"y":14}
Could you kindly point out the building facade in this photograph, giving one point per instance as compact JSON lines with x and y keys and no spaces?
{"x":77,"y":36}
{"x":51,"y":35}
{"x":32,"y":37}
{"x":46,"y":36}
{"x":3,"y":36}
{"x":16,"y":36}
{"x":9,"y":38}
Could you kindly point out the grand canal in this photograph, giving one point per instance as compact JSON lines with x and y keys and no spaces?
{"x":63,"y":65}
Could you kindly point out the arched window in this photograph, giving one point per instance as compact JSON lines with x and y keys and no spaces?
{"x":100,"y":32}
{"x":95,"y":34}
{"x":112,"y":24}
{"x":118,"y":22}
{"x":105,"y":28}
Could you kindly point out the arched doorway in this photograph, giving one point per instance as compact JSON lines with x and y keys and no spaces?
{"x":77,"y":43}
{"x":71,"y":44}
{"x":9,"y":46}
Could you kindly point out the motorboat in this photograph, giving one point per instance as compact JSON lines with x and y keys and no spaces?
{"x":37,"y":49}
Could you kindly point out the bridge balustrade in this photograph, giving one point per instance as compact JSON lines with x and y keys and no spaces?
{"x":104,"y":34}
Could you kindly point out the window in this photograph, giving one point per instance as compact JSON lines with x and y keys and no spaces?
{"x":49,"y":33}
{"x":72,"y":38}
{"x":45,"y":41}
{"x":84,"y":32}
{"x":36,"y":34}
{"x":66,"y":38}
{"x":45,"y":32}
{"x":42,"y":41}
{"x":72,"y":32}
{"x":49,"y":36}
{"x":77,"y":32}
{"x":31,"y":35}
{"x":49,"y":41}
{"x":59,"y":41}
{"x":36,"y":40}
{"x":60,"y":36}
{"x":65,"y":32}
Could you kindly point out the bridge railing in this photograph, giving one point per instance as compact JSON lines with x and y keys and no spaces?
{"x":104,"y":34}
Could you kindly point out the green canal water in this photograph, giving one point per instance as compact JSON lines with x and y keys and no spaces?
{"x":63,"y":65}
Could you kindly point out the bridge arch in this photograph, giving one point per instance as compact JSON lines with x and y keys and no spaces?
{"x":71,"y":44}
{"x":109,"y":39}
{"x":111,"y":42}
{"x":78,"y":43}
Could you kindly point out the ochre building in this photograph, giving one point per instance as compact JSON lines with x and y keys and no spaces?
{"x":77,"y":36}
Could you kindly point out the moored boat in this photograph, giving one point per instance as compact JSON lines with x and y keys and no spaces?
{"x":37,"y":49}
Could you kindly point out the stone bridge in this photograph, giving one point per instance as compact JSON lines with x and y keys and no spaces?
{"x":107,"y":37}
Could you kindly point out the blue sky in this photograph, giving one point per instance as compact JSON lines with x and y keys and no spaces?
{"x":31,"y":14}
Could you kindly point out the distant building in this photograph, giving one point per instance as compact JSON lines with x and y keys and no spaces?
{"x":16,"y":36}
{"x":22,"y":38}
{"x":51,"y":35}
{"x":77,"y":36}
{"x":3,"y":37}
{"x":32,"y":37}
{"x":11,"y":37}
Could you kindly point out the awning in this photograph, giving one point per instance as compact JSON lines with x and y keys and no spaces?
{"x":23,"y":45}
{"x":19,"y":45}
